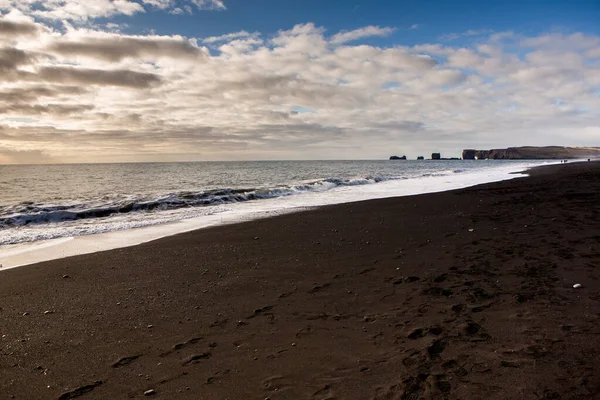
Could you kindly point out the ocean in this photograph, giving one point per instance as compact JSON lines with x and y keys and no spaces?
{"x":39,"y":203}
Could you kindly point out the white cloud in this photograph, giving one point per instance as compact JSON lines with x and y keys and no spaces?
{"x":350,"y":36}
{"x":240,"y":46}
{"x":593,"y":53}
{"x":557,"y":41}
{"x":88,"y":95}
{"x":209,"y":4}
{"x":228,"y":36}
{"x":84,"y":10}
{"x":22,"y":156}
{"x":114,"y":47}
{"x":12,"y":27}
{"x":77,"y":9}
{"x":301,"y":40}
{"x":161,"y":4}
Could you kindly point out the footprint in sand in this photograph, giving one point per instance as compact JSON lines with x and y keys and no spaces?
{"x":471,"y":328}
{"x":415,"y":358}
{"x":193,"y":359}
{"x":318,"y":288}
{"x":212,"y":379}
{"x":277,"y":383}
{"x":180,"y":346}
{"x":286,"y":294}
{"x":221,"y":323}
{"x":412,"y":387}
{"x":458,"y":308}
{"x":417,"y":333}
{"x":437,"y":347}
{"x":304,"y":331}
{"x":325,"y":393}
{"x":125,"y":361}
{"x":438,"y":386}
{"x":403,"y":279}
{"x":261,"y":311}
{"x":454,"y":367}
{"x":195,"y":340}
{"x":80,"y":391}
{"x":479,"y":308}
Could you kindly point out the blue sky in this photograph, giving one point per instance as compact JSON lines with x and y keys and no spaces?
{"x":187,"y":80}
{"x":433,"y":17}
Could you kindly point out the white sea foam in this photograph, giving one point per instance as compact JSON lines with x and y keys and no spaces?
{"x":48,"y":240}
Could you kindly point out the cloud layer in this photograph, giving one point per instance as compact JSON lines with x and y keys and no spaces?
{"x":83,"y":10}
{"x":85,"y":95}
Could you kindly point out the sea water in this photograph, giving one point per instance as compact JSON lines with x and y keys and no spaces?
{"x":106,"y":205}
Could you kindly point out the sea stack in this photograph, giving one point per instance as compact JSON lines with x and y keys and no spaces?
{"x":469,"y":154}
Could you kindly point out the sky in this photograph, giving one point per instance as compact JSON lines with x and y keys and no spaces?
{"x":204,"y":80}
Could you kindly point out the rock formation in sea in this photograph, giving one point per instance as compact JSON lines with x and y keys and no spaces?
{"x":532,"y":153}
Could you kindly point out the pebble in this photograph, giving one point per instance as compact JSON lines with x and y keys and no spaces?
{"x":25,"y":314}
{"x":48,"y":312}
{"x":150,"y":392}
{"x":577,"y":285}
{"x":66,"y":276}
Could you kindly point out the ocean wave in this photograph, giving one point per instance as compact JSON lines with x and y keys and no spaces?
{"x":29,"y":213}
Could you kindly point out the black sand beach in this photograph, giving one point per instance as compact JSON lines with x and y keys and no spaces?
{"x":456,"y":295}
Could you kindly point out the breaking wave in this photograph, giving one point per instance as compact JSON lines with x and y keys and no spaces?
{"x":29,"y":213}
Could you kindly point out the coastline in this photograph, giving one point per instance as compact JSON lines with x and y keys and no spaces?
{"x":22,"y":254}
{"x":458,"y":294}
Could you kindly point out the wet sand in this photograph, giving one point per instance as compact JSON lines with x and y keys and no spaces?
{"x":457,"y":295}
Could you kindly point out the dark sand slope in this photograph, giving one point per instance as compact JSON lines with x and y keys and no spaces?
{"x":386,"y":299}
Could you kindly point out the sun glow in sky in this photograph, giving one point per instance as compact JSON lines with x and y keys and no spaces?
{"x":185,"y":80}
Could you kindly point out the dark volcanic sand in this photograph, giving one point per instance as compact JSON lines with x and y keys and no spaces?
{"x":460,"y":295}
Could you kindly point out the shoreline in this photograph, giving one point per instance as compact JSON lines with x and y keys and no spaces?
{"x":461,"y":294}
{"x":27,"y":253}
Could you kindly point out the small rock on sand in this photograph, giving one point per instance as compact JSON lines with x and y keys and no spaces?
{"x":150,"y":392}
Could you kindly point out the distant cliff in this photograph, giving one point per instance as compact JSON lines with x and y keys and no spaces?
{"x":532,"y":153}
